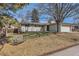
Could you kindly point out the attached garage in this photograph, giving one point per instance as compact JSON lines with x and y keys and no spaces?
{"x":65,"y":29}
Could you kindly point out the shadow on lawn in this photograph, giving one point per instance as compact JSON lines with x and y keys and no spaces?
{"x":2,"y":46}
{"x":3,"y":41}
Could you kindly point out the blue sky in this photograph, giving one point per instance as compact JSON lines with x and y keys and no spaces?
{"x":69,"y":20}
{"x":27,"y":9}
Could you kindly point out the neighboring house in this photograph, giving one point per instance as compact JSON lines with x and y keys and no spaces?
{"x":75,"y":27}
{"x":45,"y":27}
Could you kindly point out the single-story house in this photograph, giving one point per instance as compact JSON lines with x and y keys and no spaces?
{"x":33,"y":27}
{"x":45,"y":27}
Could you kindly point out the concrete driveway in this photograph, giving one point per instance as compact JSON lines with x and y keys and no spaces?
{"x":73,"y":51}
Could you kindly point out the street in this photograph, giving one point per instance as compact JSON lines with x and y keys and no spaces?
{"x":73,"y":51}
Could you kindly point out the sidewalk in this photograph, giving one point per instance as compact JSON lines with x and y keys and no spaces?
{"x":73,"y":51}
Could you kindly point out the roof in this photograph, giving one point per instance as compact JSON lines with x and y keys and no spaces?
{"x":67,"y":24}
{"x":33,"y":23}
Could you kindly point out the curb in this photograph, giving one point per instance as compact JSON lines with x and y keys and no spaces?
{"x":48,"y":53}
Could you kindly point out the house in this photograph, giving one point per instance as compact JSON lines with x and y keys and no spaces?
{"x":75,"y":27}
{"x":45,"y":27}
{"x":66,"y":27}
{"x":35,"y":27}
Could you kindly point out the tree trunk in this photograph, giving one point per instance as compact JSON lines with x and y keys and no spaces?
{"x":59,"y":26}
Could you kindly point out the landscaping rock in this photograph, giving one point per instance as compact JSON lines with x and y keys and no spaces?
{"x":17,"y":39}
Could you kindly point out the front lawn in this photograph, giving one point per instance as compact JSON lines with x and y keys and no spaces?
{"x":41,"y":43}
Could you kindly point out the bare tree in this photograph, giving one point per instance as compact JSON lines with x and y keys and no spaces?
{"x":60,"y":11}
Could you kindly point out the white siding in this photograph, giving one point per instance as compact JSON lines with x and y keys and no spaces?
{"x":23,"y":29}
{"x":26,"y":28}
{"x":30,"y":28}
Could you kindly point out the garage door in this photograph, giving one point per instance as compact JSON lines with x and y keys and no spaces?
{"x":65,"y":29}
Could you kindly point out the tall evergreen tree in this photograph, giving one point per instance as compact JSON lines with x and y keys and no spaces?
{"x":35,"y":15}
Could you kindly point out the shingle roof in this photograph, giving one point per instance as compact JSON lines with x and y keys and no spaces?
{"x":32,"y":23}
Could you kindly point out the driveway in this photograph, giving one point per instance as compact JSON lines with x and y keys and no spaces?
{"x":73,"y":51}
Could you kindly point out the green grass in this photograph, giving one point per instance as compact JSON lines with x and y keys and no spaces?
{"x":35,"y":34}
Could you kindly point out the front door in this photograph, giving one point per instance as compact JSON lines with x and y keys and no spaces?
{"x":47,"y":27}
